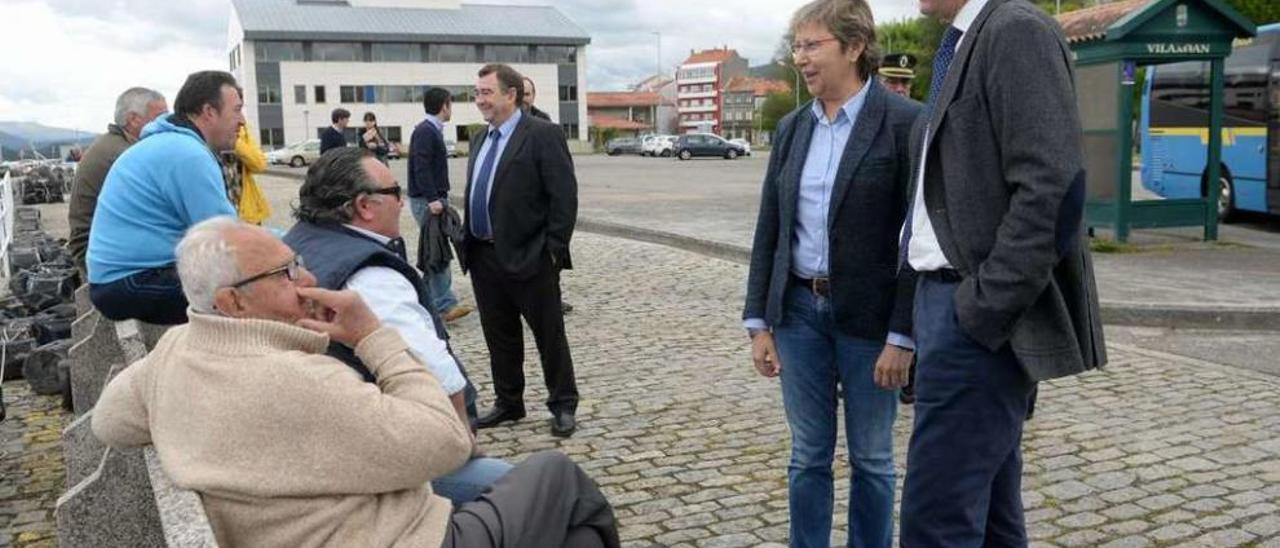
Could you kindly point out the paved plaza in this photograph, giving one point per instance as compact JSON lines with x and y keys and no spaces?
{"x":691,"y":445}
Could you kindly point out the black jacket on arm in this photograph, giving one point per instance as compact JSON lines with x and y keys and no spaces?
{"x":533,"y":204}
{"x":869,"y":295}
{"x":428,"y":163}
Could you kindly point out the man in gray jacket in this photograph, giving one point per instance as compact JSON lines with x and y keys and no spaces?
{"x":135,"y":108}
{"x":1006,"y":296}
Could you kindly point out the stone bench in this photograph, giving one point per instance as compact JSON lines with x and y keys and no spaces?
{"x":119,"y":497}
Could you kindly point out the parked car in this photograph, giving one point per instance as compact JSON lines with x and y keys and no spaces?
{"x":451,"y":149}
{"x":297,"y":154}
{"x":706,"y":144}
{"x":622,"y":145}
{"x":658,"y":145}
{"x":742,"y":143}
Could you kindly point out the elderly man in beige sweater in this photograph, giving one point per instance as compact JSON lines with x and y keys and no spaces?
{"x":289,"y":447}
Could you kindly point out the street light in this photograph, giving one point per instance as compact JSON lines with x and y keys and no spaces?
{"x":793,"y":69}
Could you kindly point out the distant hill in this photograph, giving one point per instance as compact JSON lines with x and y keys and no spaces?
{"x":15,"y":136}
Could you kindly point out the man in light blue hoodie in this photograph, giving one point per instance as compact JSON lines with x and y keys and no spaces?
{"x":167,"y":182}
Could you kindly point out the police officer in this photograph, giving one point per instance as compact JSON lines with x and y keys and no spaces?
{"x":897,"y":70}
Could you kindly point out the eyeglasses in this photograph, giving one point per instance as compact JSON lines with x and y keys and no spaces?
{"x":393,"y":190}
{"x":291,"y":270}
{"x":809,"y":46}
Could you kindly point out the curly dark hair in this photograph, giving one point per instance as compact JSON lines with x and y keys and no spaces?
{"x":332,"y":183}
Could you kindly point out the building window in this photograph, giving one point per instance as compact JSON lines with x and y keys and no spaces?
{"x":461,"y":94}
{"x":232,"y":58}
{"x":399,"y":94}
{"x":556,"y":54}
{"x":268,"y":94}
{"x":350,"y":94}
{"x":271,"y":138}
{"x":391,"y":133}
{"x":319,"y":94}
{"x":397,"y":53}
{"x":569,"y":93}
{"x":300,"y":95}
{"x":570,"y":130}
{"x":268,"y":51}
{"x":452,"y":53}
{"x":506,"y":54}
{"x":337,"y":51}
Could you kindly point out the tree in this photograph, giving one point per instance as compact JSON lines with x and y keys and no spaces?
{"x":1261,"y":12}
{"x":775,"y":106}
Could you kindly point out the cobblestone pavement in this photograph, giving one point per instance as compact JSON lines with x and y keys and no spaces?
{"x":691,"y":445}
{"x":31,"y":469}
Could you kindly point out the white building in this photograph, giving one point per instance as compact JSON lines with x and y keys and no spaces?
{"x":297,"y":60}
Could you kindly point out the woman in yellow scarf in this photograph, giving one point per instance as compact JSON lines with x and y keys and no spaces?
{"x":247,"y":158}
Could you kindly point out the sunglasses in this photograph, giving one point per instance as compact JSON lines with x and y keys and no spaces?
{"x":291,"y":270}
{"x":393,"y":190}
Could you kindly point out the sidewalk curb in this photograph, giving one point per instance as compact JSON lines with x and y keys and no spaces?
{"x":1139,"y":314}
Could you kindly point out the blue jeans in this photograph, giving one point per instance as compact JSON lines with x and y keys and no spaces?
{"x":822,"y":367}
{"x":472,"y":480}
{"x":964,"y":465}
{"x":439,"y":284}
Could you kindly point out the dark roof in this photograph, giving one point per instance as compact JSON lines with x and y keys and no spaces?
{"x":294,"y":20}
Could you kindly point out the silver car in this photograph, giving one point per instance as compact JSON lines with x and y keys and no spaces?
{"x":297,"y":154}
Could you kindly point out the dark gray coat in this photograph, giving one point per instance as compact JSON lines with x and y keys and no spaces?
{"x":869,"y":296}
{"x":1004,"y":188}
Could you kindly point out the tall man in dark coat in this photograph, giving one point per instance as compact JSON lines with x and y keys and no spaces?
{"x":522,"y":203}
{"x":1006,"y":295}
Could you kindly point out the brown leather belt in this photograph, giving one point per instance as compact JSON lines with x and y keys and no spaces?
{"x":819,"y":286}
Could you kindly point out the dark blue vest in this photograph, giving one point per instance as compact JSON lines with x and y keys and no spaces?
{"x":334,"y":253}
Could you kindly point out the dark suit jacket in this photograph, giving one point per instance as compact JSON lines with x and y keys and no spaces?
{"x":330,"y":139}
{"x":533,"y":205}
{"x":869,"y":295}
{"x":1005,"y":192}
{"x":428,"y":163}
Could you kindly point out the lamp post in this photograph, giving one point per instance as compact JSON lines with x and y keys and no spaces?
{"x":797,"y":72}
{"x":306,"y":123}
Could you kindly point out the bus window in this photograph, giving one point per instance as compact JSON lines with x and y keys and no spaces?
{"x":1180,"y":94}
{"x":1246,"y":85}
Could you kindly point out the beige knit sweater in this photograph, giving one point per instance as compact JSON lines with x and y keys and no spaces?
{"x":287,"y":446}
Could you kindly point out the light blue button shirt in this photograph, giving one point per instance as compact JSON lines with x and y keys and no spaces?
{"x":811,"y":246}
{"x":435,"y":122}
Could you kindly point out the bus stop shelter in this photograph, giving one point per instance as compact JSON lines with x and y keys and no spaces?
{"x":1109,"y":43}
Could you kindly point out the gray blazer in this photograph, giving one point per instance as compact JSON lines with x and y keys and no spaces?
{"x":1004,"y":187}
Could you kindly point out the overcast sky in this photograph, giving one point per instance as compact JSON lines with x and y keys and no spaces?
{"x":65,"y":61}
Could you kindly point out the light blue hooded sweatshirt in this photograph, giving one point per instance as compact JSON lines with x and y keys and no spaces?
{"x":160,"y":187}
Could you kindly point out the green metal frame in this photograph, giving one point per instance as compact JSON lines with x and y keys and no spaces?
{"x":1155,"y":34}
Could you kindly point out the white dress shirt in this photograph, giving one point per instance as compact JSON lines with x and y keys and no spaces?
{"x":924,"y":253}
{"x":394,"y":301}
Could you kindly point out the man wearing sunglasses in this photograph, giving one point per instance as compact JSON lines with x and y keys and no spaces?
{"x":289,"y":447}
{"x":349,"y":231}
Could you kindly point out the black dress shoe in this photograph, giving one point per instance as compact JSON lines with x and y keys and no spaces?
{"x":499,"y":415}
{"x":563,"y":425}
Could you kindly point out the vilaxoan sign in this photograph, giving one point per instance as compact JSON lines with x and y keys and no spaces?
{"x":1177,"y":49}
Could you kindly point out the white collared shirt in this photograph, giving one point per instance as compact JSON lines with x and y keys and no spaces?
{"x":394,"y":301}
{"x":924,"y":252}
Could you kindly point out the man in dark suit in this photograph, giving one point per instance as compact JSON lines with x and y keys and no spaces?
{"x":429,"y":190}
{"x":333,"y":136}
{"x":522,"y":203}
{"x":1006,"y":295}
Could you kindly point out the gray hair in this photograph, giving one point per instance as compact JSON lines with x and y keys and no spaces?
{"x":135,"y":100}
{"x":333,"y":183}
{"x":206,"y":261}
{"x":850,"y":22}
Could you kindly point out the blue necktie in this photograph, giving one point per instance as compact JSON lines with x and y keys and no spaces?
{"x":480,"y":226}
{"x":941,"y":63}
